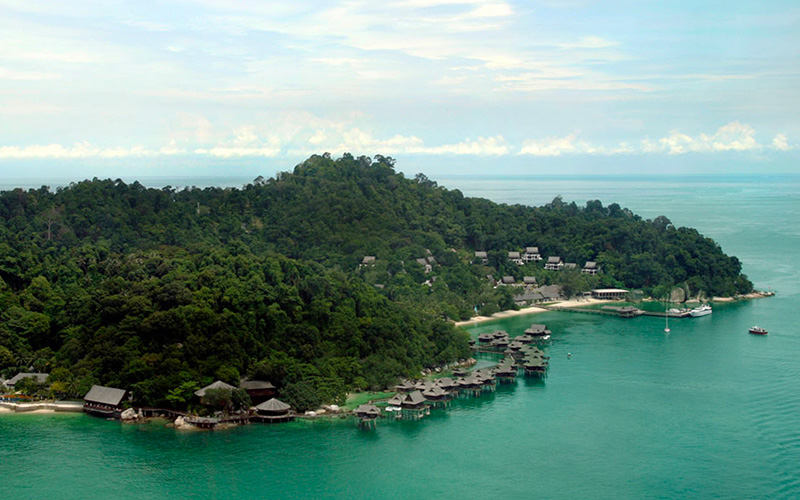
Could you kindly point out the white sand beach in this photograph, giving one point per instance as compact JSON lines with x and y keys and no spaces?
{"x":530,"y":310}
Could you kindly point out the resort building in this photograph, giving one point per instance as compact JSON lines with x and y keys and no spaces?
{"x":529,"y":280}
{"x":273,"y":411}
{"x":413,"y":406}
{"x":570,"y":265}
{"x":515,"y":257}
{"x":105,"y":402}
{"x":590,"y":268}
{"x":483,"y":257}
{"x":554,"y":264}
{"x":509,"y":280}
{"x":40,"y":378}
{"x":368,"y":415}
{"x":219,"y":384}
{"x":258,"y":390}
{"x":609,"y":293}
{"x":531,"y":254}
{"x":368,"y":260}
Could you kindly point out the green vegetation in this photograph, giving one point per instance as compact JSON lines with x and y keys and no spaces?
{"x":161,"y":291}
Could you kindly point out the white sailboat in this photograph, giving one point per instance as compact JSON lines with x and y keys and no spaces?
{"x":666,"y":320}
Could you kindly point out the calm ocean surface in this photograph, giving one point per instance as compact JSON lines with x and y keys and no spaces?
{"x":707,"y":411}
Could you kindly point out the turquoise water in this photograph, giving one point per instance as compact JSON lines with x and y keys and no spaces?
{"x":707,"y":411}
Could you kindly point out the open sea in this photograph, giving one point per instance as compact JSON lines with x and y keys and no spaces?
{"x":705,"y":412}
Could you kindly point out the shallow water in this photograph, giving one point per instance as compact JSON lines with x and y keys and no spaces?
{"x":707,"y":411}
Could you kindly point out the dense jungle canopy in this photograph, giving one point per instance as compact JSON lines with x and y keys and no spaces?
{"x":163,"y":290}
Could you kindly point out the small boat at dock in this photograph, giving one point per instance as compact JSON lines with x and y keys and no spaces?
{"x":757,"y":330}
{"x":703,"y":310}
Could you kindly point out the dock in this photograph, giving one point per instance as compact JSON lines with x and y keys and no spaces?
{"x":619,"y":312}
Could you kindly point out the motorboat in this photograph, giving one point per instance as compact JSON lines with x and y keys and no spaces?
{"x":757,"y":330}
{"x":703,"y":310}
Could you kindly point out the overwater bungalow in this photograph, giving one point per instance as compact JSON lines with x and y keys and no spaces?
{"x":524,"y":339}
{"x":469,"y":386}
{"x":506,"y":372}
{"x":437,"y":397}
{"x":488,"y":380}
{"x":535,"y":366}
{"x":413,"y":406}
{"x":104,"y":402}
{"x":368,"y":415}
{"x":447,"y":384}
{"x":405,"y":387}
{"x":538,"y":332}
{"x":499,"y":343}
{"x":485,"y":338}
{"x":273,"y":411}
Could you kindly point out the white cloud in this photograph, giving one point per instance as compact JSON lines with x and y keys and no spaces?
{"x":570,"y":144}
{"x":781,"y":143}
{"x":11,"y":74}
{"x":79,"y":150}
{"x":588,"y":42}
{"x":734,"y":136}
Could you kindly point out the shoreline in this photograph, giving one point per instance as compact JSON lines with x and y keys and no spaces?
{"x":39,"y":408}
{"x":510,"y":313}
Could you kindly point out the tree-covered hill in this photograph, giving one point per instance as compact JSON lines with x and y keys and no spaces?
{"x":155,"y":288}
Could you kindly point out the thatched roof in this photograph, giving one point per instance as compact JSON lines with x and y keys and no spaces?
{"x":219,"y":384}
{"x":273,"y":405}
{"x":368,"y":411}
{"x":41,"y":378}
{"x":255,"y":385}
{"x":105,"y":395}
{"x":414,"y":399}
{"x":395,"y":400}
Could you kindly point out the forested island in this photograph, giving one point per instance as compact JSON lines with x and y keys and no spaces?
{"x":161,"y":291}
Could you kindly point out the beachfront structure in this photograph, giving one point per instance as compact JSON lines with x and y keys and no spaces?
{"x":506,"y":372}
{"x":105,"y":402}
{"x":219,"y":384}
{"x":554,"y":263}
{"x":628,"y":312}
{"x":437,"y":397}
{"x":273,"y":411}
{"x":590,"y":268}
{"x":404,"y":387}
{"x":40,"y":378}
{"x":258,"y":390}
{"x":515,"y":257}
{"x":535,"y":366}
{"x":413,"y":406}
{"x":368,"y":415}
{"x":531,"y":254}
{"x":483,"y":257}
{"x":609,"y":293}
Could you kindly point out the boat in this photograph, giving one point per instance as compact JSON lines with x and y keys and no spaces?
{"x":703,"y":310}
{"x":757,"y":330}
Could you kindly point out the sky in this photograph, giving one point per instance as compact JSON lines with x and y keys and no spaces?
{"x":217,"y":87}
